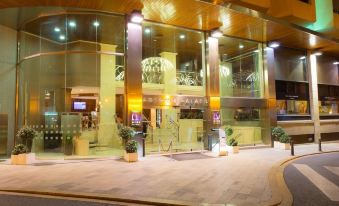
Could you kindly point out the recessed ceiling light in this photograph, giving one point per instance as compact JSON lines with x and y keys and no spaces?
{"x":200,"y":42}
{"x":96,"y":23}
{"x":241,"y":46}
{"x":317,"y":53}
{"x":72,"y":24}
{"x":216,"y":33}
{"x":137,"y":17}
{"x":274,"y":44}
{"x":147,"y":30}
{"x":336,"y":63}
{"x":62,"y":37}
{"x":256,"y":51}
{"x":303,"y":57}
{"x":57,"y":29}
{"x":182,"y":36}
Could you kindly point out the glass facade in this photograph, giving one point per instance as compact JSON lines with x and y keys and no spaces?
{"x":69,"y":82}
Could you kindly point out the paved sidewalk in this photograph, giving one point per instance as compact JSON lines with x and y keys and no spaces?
{"x":240,"y":179}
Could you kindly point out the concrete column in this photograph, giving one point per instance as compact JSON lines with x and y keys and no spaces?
{"x":133,"y":73}
{"x":107,"y":134}
{"x":313,"y":93}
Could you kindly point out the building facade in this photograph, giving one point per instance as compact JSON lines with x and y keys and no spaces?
{"x":75,"y":72}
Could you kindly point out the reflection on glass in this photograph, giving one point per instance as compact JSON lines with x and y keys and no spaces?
{"x":240,"y":68}
{"x":328,"y":107}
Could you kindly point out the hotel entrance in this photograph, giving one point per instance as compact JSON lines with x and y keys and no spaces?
{"x":174,"y":128}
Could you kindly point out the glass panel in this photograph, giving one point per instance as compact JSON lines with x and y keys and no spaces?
{"x":241,"y":69}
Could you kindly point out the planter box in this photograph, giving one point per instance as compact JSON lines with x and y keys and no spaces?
{"x":233,"y":149}
{"x":283,"y":146}
{"x":131,"y":157}
{"x":22,"y":159}
{"x":223,"y":153}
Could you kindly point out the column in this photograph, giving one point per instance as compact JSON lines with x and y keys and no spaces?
{"x":133,"y":74}
{"x":107,"y":134}
{"x":313,"y":93}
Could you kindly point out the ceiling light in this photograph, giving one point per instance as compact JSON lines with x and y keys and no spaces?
{"x":136,"y":17}
{"x":274,"y":44}
{"x":241,"y":46}
{"x":256,"y":51}
{"x":182,"y":36}
{"x":216,"y":33}
{"x":57,"y":29}
{"x":96,"y":23}
{"x":303,"y":57}
{"x":317,"y":53}
{"x":336,"y":63}
{"x":147,"y":30}
{"x":62,"y":37}
{"x":72,"y":24}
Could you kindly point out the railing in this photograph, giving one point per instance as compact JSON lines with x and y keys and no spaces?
{"x":189,"y":79}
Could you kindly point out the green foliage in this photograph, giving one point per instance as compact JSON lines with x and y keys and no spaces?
{"x":131,"y":146}
{"x":126,"y":133}
{"x":69,"y":139}
{"x":26,"y":133}
{"x":228,"y":131}
{"x":284,"y":138}
{"x":277,"y":132}
{"x":231,"y":142}
{"x":19,"y":149}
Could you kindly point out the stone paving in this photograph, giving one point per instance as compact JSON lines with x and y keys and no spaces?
{"x":241,"y":179}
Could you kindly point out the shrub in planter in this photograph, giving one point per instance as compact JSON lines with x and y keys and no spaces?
{"x":277,"y":132}
{"x":68,"y":145}
{"x":228,"y":131}
{"x":126,"y":133}
{"x":131,"y":149}
{"x":284,"y":138}
{"x":18,"y":156}
{"x":26,"y":134}
{"x":232,"y":143}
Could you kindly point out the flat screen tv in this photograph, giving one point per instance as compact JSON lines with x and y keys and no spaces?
{"x":79,"y":105}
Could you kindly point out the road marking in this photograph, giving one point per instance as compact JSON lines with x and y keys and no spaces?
{"x":327,"y":187}
{"x":334,"y":170}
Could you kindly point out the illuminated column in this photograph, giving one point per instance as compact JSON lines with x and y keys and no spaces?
{"x":213,"y":83}
{"x":313,"y":91}
{"x":170,"y":83}
{"x":133,"y":75}
{"x":107,"y":134}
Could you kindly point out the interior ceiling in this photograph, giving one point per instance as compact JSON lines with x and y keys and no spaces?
{"x":189,"y":14}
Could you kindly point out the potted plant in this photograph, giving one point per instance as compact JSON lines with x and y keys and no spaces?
{"x":26,"y":134}
{"x":68,"y":145}
{"x":285,"y":142}
{"x":223,"y":144}
{"x":131,"y":149}
{"x":18,"y":156}
{"x":277,"y":133}
{"x":232,"y":144}
{"x":126,"y":133}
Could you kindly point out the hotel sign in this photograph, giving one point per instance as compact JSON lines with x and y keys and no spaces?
{"x":174,"y":101}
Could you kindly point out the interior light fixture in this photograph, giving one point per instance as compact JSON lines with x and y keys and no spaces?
{"x":136,"y":17}
{"x":256,"y":51}
{"x":96,"y":23}
{"x":216,"y":33}
{"x":241,"y":46}
{"x":303,"y":57}
{"x":182,"y":36}
{"x":147,"y":30}
{"x":335,"y":63}
{"x":318,"y":53}
{"x":62,"y":37}
{"x":57,"y":29}
{"x":72,"y":24}
{"x":274,"y":44}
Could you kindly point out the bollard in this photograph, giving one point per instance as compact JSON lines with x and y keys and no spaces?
{"x":320,"y":150}
{"x":292,"y":148}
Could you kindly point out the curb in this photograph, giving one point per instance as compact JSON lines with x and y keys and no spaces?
{"x":280,"y":192}
{"x":102,"y":197}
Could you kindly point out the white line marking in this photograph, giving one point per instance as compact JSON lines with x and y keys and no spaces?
{"x":334,"y":170}
{"x":327,"y":187}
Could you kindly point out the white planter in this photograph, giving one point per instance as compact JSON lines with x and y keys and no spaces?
{"x":131,"y":157}
{"x":233,"y":149}
{"x":22,"y":159}
{"x":283,"y":146}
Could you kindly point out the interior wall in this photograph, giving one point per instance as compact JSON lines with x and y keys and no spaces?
{"x":8,"y":41}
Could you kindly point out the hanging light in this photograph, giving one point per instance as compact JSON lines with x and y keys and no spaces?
{"x":136,"y":17}
{"x":216,"y":33}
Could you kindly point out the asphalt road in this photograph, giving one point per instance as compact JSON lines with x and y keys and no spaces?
{"x":11,"y":199}
{"x":314,"y":180}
